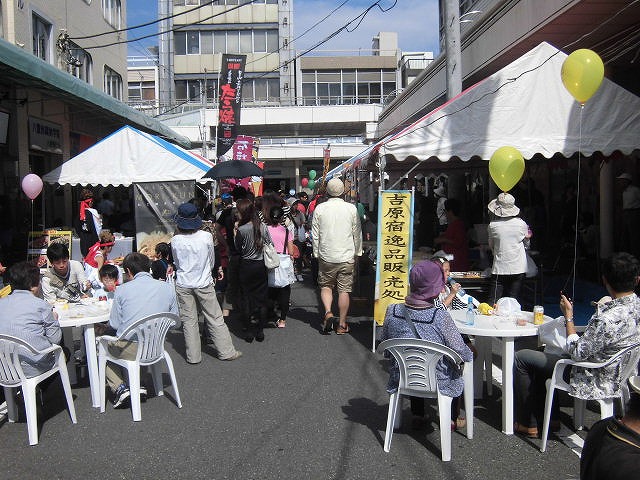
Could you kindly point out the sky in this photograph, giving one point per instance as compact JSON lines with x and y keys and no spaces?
{"x":415,"y":21}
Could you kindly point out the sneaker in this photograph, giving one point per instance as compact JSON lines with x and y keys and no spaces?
{"x":121,"y":397}
{"x":143,"y":394}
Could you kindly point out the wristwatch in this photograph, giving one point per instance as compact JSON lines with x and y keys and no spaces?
{"x":568,"y":320}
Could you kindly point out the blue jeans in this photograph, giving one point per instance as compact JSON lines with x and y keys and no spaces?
{"x":532,"y":368}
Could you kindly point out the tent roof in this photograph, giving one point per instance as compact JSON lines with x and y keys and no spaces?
{"x":526,"y":106}
{"x":130,"y":156}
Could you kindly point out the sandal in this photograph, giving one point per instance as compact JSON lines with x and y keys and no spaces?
{"x":329,"y":320}
{"x":342,"y":330}
{"x":530,"y":432}
{"x":459,"y":423}
{"x":281,"y":324}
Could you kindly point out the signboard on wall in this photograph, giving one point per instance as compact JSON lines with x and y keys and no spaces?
{"x":45,"y":136}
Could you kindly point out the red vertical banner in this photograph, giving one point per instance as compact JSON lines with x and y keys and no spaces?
{"x":230,"y":94}
{"x":243,"y":148}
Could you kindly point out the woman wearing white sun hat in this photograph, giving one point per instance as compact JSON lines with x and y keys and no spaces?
{"x":506,"y":236}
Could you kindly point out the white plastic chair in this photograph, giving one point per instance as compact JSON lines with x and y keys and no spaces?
{"x":417,"y":360}
{"x":12,"y":377}
{"x":150,"y":333}
{"x":629,"y":366}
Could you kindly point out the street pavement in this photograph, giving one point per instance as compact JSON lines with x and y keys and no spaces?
{"x":300,"y":405}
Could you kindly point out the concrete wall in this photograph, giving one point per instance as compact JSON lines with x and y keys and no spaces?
{"x":79,"y":19}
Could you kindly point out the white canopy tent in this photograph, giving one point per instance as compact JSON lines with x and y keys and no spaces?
{"x":130,"y":156}
{"x":523,"y":105}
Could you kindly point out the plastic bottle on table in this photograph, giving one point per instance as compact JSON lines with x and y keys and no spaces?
{"x":470,"y":313}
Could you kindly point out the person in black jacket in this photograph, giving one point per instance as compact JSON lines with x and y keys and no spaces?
{"x":612,"y":448}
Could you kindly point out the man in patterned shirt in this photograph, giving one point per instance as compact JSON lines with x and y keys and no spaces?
{"x":614,"y":326}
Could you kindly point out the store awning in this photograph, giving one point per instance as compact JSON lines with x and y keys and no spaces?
{"x":29,"y":71}
{"x":523,"y":105}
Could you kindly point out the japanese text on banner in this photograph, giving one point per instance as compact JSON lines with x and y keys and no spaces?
{"x":395,"y":242}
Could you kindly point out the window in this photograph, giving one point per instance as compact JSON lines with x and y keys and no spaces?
{"x":272,"y":41}
{"x":112,"y":12}
{"x":206,"y":43}
{"x":180,"y":42}
{"x":41,"y":38}
{"x":188,"y":90}
{"x":259,"y":41}
{"x":246,"y":42}
{"x":78,"y":63}
{"x":233,"y":41}
{"x":193,"y":43}
{"x":112,"y":83}
{"x":139,"y":91}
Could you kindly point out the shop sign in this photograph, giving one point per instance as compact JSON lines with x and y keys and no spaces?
{"x":395,"y":244}
{"x":45,"y":136}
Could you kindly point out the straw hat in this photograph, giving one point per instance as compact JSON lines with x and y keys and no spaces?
{"x":504,"y":206}
{"x":335,"y":187}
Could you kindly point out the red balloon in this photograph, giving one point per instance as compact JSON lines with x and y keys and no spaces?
{"x":304,"y":182}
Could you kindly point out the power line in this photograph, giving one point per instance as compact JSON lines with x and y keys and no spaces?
{"x":508,"y":81}
{"x":181,"y":27}
{"x":303,"y":33}
{"x":358,"y":18}
{"x":158,"y":20}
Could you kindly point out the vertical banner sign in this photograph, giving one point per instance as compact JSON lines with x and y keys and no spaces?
{"x":230,"y":94}
{"x":395,"y":244}
{"x":326,"y":161}
{"x":243,"y":148}
{"x":156,"y":203}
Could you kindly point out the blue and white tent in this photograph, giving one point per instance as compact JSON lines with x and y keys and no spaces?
{"x":130,"y":156}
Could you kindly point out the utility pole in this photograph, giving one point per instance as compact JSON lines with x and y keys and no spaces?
{"x":452,"y":47}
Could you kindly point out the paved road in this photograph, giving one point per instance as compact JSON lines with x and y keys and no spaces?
{"x":299,"y":405}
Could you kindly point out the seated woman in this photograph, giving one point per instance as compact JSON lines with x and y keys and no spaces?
{"x":29,"y":318}
{"x":612,"y":327}
{"x":431,"y":323}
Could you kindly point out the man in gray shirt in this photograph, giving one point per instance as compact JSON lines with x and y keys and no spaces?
{"x":131,"y":302}
{"x":29,"y":318}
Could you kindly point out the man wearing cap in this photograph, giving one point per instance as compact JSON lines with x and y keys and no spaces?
{"x":194,"y":259}
{"x":630,"y":214}
{"x":506,"y":235}
{"x":337,"y":240}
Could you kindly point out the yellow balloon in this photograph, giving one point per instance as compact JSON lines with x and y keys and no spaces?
{"x":506,"y":167}
{"x":582,"y":73}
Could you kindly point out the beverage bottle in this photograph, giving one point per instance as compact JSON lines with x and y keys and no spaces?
{"x":461,"y":292}
{"x":470,"y":313}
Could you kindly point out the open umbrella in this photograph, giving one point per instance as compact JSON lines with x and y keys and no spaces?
{"x":234,"y":169}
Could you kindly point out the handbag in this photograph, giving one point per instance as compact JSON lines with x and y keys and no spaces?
{"x":269,"y":253}
{"x":283,"y":275}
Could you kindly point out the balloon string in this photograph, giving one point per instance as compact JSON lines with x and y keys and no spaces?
{"x":575,"y":239}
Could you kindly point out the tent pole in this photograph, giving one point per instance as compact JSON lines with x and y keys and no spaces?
{"x":406,"y":174}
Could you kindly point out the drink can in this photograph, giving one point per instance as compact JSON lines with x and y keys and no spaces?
{"x":538,"y":315}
